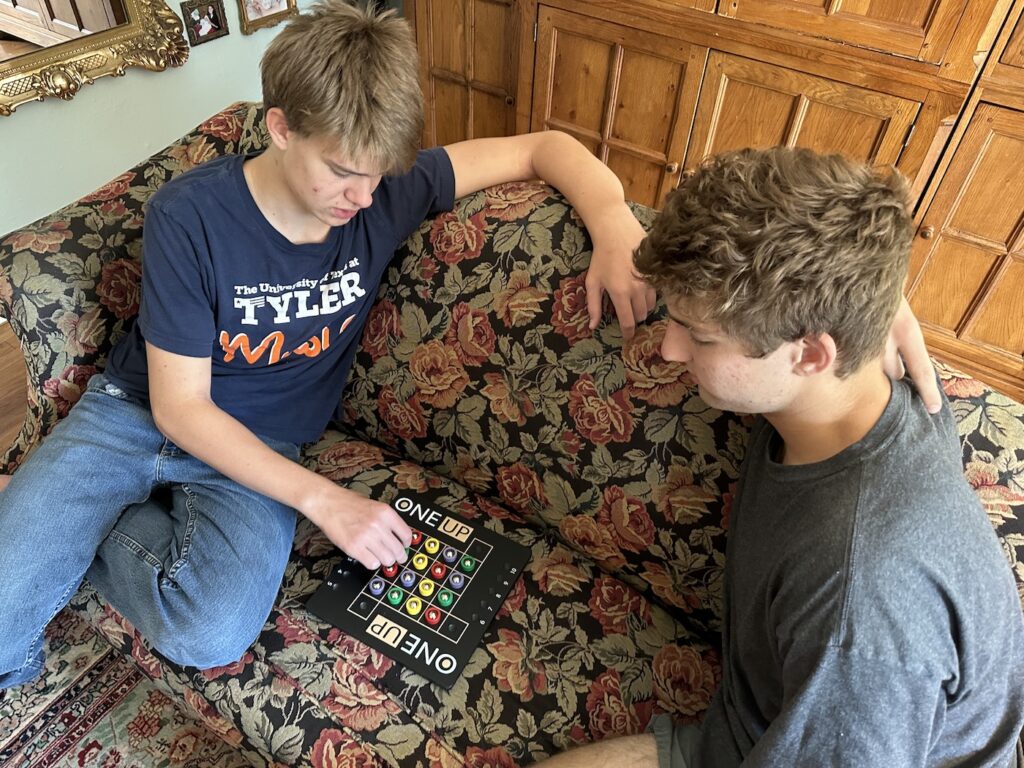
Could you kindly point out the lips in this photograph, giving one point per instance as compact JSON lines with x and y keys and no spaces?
{"x":342,"y":213}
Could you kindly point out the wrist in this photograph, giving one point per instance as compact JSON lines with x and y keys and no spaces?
{"x":312,"y":497}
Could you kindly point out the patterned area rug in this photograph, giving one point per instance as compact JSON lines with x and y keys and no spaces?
{"x":92,"y":707}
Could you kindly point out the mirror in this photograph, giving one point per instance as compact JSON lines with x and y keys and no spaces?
{"x":57,"y":46}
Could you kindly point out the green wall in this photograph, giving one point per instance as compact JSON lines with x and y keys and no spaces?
{"x":53,"y":152}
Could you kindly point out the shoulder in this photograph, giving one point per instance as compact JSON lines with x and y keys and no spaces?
{"x":185,"y":195}
{"x":431,"y":171}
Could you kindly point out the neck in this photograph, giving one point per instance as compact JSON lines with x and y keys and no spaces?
{"x":831,"y":415}
{"x":276,"y":201}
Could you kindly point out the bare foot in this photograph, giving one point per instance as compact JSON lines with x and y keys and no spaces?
{"x":4,"y":480}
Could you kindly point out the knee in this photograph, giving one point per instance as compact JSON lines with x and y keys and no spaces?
{"x":206,"y":642}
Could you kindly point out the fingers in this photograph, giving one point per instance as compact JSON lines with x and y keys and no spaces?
{"x":624,"y":310}
{"x":380,"y":537}
{"x":595,"y":295}
{"x":922,"y":372}
{"x":891,"y":360}
{"x":632,"y":303}
{"x":907,"y":335}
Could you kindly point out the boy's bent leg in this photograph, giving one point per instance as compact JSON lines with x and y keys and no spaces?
{"x":198,"y":574}
{"x":57,"y":509}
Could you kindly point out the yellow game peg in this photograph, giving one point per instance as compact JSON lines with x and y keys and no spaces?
{"x":413,"y":606}
{"x":433,"y":546}
{"x":426,"y":587}
{"x":420,"y":561}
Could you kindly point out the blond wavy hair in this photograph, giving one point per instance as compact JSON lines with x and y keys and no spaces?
{"x":350,"y":74}
{"x":777,"y":244}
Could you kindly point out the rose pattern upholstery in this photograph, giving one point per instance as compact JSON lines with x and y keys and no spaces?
{"x":477,"y":375}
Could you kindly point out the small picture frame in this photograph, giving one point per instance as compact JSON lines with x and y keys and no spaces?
{"x":205,"y":20}
{"x":256,"y":14}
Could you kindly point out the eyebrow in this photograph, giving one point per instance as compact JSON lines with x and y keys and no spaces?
{"x":342,"y":169}
{"x":688,"y":326}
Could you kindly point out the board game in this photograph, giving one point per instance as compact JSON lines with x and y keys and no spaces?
{"x":430,"y":612}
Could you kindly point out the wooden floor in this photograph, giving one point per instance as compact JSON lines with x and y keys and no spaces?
{"x":12,"y":387}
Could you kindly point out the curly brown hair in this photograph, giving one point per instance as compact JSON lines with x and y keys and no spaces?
{"x":351,"y":74}
{"x":773,"y":245}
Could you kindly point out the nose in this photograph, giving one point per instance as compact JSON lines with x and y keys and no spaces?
{"x":676,"y":346}
{"x":360,"y":192}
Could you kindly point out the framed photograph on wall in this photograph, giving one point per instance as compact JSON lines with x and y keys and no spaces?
{"x":205,"y":20}
{"x":256,"y":14}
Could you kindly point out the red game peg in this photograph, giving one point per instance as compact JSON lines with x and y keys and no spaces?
{"x":433,"y":616}
{"x":390,"y":570}
{"x":438,"y":572}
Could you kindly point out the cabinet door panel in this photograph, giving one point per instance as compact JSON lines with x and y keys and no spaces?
{"x":450,"y":105}
{"x":627,"y":94}
{"x":468,"y":62}
{"x":920,"y":29}
{"x":1013,"y":54}
{"x":1010,"y":67}
{"x":580,"y":76}
{"x":746,"y":103}
{"x":967,"y":266}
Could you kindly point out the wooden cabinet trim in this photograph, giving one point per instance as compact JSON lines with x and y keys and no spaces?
{"x":928,"y":45}
{"x":877,"y":71}
{"x":897,"y":114}
{"x":1005,"y":68}
{"x":621,"y":41}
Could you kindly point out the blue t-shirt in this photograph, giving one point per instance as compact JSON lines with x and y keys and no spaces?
{"x":281,"y":321}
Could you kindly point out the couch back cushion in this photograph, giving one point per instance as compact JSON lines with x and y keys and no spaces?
{"x":478,"y":362}
{"x":70,"y":282}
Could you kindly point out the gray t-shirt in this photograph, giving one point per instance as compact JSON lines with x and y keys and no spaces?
{"x":871,"y":617}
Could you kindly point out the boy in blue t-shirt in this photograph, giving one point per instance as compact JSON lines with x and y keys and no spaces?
{"x":173,"y":484}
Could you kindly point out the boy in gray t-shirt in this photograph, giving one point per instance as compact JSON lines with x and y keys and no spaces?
{"x":871,"y":618}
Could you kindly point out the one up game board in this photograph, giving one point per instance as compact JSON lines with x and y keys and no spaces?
{"x":430,"y":612}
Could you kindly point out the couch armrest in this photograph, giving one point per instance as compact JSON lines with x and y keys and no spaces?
{"x":69,"y":282}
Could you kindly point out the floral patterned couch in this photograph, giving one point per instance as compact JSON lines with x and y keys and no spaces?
{"x":478,"y":378}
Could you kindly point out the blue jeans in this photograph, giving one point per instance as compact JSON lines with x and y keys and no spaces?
{"x":195,"y":566}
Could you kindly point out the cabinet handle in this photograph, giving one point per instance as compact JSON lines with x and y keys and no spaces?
{"x":672,"y":168}
{"x":928,"y":233}
{"x":510,"y":100}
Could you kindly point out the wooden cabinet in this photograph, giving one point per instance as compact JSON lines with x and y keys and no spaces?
{"x":967,"y":269}
{"x":627,"y":95}
{"x":654,"y":86}
{"x":919,"y":29}
{"x":469,"y":65}
{"x":747,"y":103}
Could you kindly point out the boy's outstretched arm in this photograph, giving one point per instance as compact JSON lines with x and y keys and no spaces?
{"x":592,"y":189}
{"x":179,"y":391}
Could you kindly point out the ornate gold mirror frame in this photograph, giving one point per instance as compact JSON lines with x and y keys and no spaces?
{"x":150,"y":38}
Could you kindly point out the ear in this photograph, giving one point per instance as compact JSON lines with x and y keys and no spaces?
{"x":815,"y":354}
{"x":277,"y":127}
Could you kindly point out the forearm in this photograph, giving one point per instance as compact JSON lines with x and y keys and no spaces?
{"x":213,"y":436}
{"x":587,"y":183}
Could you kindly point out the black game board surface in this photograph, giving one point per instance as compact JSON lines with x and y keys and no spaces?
{"x":430,"y":612}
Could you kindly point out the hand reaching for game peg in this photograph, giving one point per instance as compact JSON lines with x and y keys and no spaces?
{"x":369,"y":531}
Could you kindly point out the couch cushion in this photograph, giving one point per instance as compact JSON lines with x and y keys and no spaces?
{"x":478,"y":363}
{"x":991,"y":427}
{"x":70,"y":282}
{"x":574,"y":655}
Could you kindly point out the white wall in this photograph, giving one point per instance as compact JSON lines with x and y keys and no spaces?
{"x":53,"y":152}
